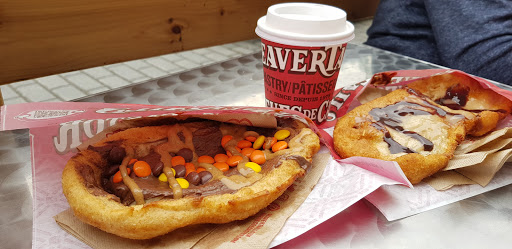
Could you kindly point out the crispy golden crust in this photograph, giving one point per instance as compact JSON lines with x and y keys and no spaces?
{"x":355,"y":135}
{"x":492,"y":105}
{"x":94,"y":206}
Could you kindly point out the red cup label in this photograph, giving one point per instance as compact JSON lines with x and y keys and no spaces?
{"x":301,"y":78}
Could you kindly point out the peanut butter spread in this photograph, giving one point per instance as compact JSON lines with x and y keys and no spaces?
{"x":190,"y":141}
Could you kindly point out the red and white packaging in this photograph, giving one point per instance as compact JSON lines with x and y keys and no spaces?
{"x":57,"y":128}
{"x":396,"y":202}
{"x":303,"y":45}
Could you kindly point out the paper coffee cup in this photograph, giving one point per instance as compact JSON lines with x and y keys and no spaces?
{"x":303,"y":45}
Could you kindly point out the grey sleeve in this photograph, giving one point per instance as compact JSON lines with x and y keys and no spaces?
{"x":474,"y":36}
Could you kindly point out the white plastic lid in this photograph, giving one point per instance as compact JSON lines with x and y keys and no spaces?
{"x":305,"y":24}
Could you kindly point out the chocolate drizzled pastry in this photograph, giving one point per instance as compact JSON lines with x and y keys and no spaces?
{"x":420,"y":126}
{"x":105,"y":189}
{"x":459,"y":92}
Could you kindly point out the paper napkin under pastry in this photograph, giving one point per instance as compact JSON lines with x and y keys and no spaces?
{"x":476,"y":161}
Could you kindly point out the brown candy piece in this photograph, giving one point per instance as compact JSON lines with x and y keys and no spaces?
{"x":187,"y":154}
{"x":207,"y":141}
{"x":180,"y":170}
{"x":153,"y":159}
{"x":193,"y":178}
{"x":111,"y":170}
{"x":116,"y":155}
{"x":103,"y":150}
{"x":123,"y":192}
{"x":205,"y":176}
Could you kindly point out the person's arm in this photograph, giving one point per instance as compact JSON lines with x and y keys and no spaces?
{"x":474,"y":36}
{"x":402,"y":26}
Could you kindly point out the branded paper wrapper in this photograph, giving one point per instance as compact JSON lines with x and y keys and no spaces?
{"x":57,"y":129}
{"x":480,"y":164}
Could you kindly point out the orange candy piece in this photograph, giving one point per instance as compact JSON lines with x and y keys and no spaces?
{"x":222,"y":166}
{"x":281,"y":145}
{"x":225,"y":139}
{"x":189,"y":167}
{"x":269,"y":141}
{"x":247,"y":151}
{"x":199,"y":170}
{"x":234,"y":160}
{"x":258,"y":157}
{"x":221,"y":158}
{"x":141,"y":169}
{"x":177,"y":160}
{"x":132,"y":161}
{"x":118,"y":177}
{"x":250,"y":139}
{"x":206,"y":159}
{"x":243,"y":144}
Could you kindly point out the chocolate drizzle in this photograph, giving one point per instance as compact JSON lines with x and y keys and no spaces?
{"x":391,"y":117}
{"x":455,"y":98}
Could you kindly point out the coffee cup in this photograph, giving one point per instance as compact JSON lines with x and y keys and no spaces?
{"x":303,"y":45}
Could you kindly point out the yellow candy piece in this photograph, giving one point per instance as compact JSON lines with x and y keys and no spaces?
{"x":162,"y":177}
{"x":254,"y":166}
{"x":183,"y":183}
{"x":259,"y":142}
{"x":282,"y":134}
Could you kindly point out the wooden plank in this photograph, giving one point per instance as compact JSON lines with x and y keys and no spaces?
{"x":39,"y":38}
{"x":1,"y":98}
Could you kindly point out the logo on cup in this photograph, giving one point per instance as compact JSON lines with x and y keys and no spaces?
{"x":324,"y":60}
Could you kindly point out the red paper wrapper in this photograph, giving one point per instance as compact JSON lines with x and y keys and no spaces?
{"x":59,"y":128}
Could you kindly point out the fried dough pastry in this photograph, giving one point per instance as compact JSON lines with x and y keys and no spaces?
{"x":420,"y":126}
{"x":145,"y":206}
{"x":461,"y":93}
{"x":405,"y":127}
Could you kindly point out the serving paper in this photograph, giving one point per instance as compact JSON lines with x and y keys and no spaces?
{"x":56,"y":129}
{"x":480,"y":164}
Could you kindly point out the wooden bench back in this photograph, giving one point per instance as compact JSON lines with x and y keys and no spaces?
{"x":39,"y":38}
